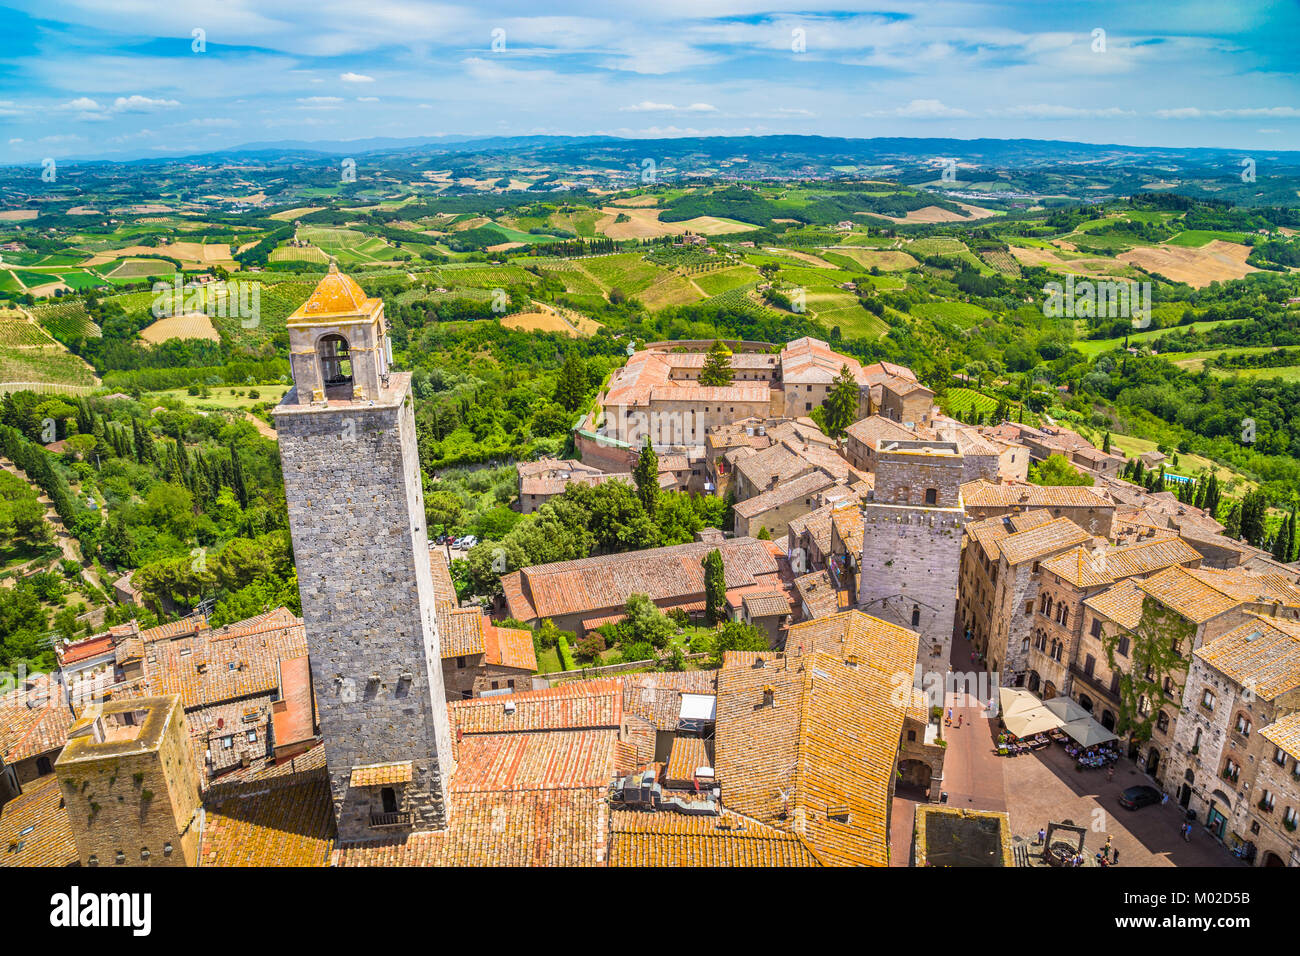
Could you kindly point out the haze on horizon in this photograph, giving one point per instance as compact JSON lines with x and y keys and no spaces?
{"x":129,"y":79}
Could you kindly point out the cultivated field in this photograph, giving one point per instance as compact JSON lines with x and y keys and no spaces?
{"x":1198,"y":266}
{"x":191,"y":326}
{"x":643,"y":223}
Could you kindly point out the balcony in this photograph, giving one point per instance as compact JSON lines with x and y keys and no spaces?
{"x":397,"y":819}
{"x":1091,"y":681}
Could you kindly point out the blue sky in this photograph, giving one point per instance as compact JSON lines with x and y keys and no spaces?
{"x":121,"y":78}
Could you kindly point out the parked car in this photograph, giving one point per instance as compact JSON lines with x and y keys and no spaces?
{"x":469,"y":541}
{"x":1134,"y":798}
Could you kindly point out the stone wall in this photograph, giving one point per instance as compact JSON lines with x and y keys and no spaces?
{"x":356,"y":512}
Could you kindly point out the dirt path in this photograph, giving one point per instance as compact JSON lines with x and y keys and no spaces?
{"x":263,"y":429}
{"x":67,"y":544}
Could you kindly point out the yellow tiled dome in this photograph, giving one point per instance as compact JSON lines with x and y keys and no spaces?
{"x":336,"y":294}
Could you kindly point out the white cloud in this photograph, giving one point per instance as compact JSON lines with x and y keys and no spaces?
{"x":367,"y":99}
{"x":923,"y":109}
{"x":141,"y":104}
{"x":1193,"y":112}
{"x":649,"y":106}
{"x":81,"y":103}
{"x":356,"y":78}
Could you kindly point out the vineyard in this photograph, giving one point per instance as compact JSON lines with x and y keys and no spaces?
{"x":68,"y":320}
{"x":739,"y":300}
{"x":30,"y":358}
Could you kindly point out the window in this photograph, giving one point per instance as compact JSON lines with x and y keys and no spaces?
{"x":1231,"y":770}
{"x":227,"y":742}
{"x":1289,"y":817}
{"x":1089,"y":665}
{"x":252,"y":736}
{"x":1243,"y":725}
{"x":1162,"y":722}
{"x":1029,"y":608}
{"x":460,"y":663}
{"x":335,"y":360}
{"x":931,"y":496}
{"x":1266,"y":802}
{"x":1122,"y":649}
{"x":1207,"y":700}
{"x":916,"y":615}
{"x":389,"y":797}
{"x":1096,"y":627}
{"x":1279,"y":757}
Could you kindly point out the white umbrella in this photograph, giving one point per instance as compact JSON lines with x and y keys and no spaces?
{"x":1014,"y":700}
{"x":1088,"y":732}
{"x":1067,"y":709}
{"x":1026,"y":723}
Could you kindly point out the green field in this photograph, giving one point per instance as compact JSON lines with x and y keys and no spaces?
{"x":1094,"y":347}
{"x":962,"y":314}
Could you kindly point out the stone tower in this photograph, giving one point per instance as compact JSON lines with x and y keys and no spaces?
{"x":130,"y":784}
{"x":356,"y":511}
{"x":911,"y":543}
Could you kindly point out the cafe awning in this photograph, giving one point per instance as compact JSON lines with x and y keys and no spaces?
{"x":1088,"y":732}
{"x":1037,"y":720}
{"x":1066,"y":709}
{"x":1014,"y":700}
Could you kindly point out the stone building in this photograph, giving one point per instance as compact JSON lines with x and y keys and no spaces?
{"x":1089,"y":508}
{"x":130,"y":786}
{"x":999,"y":584}
{"x":862,"y":436}
{"x":356,"y":512}
{"x":1197,"y":606}
{"x":1272,"y":823}
{"x":1222,"y":764}
{"x":912,"y":530}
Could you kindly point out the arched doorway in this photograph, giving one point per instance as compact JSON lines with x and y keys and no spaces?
{"x":1085,"y":702}
{"x":1185,"y":792}
{"x":1153,"y":761}
{"x":914,"y":778}
{"x":335,"y":361}
{"x":1034,"y":681}
{"x":1108,"y":720}
{"x":1272,"y":859}
{"x":1049,"y":690}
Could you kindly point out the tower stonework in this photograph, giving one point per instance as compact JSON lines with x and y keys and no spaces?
{"x":911,"y":544}
{"x":356,"y":512}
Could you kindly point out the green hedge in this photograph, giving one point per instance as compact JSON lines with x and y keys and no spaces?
{"x":566,"y":657}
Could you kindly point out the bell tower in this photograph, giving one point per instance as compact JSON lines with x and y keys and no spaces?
{"x":356,"y":512}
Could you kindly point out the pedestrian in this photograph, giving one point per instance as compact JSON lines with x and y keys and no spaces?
{"x":1164,"y":799}
{"x":947,"y":721}
{"x":960,"y":718}
{"x":1114,"y":855}
{"x":1110,"y":772}
{"x":1042,"y":837}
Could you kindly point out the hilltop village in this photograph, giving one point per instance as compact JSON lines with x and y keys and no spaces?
{"x":879,"y":547}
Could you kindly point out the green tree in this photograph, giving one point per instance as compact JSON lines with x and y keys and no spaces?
{"x":841,"y":403}
{"x":571,"y":386}
{"x":715,"y":587}
{"x":1056,"y":470}
{"x":646,"y":475}
{"x":737,"y":636}
{"x":717,"y":366}
{"x":1254,"y":510}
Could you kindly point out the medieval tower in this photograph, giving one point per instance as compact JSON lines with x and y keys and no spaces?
{"x":356,"y":512}
{"x":911,"y":544}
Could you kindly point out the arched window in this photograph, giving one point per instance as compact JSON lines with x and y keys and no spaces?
{"x":335,"y":360}
{"x":916,"y":615}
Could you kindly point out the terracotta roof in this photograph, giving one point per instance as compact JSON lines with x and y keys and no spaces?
{"x":985,"y":494}
{"x":544,"y":760}
{"x":1047,"y":538}
{"x":34,"y":827}
{"x":86,"y":649}
{"x":1121,"y":604}
{"x":676,"y":840}
{"x":785,"y":492}
{"x":873,"y":428}
{"x":818,"y":761}
{"x":768,"y":603}
{"x":657,"y":697}
{"x":1285,"y":733}
{"x":1189,"y":594}
{"x":818,"y":593}
{"x":513,"y":828}
{"x":1086,"y":568}
{"x":579,"y":705}
{"x":850,"y":633}
{"x":509,"y":647}
{"x":31,"y":731}
{"x":460,"y":632}
{"x":215,"y":666}
{"x":1262,"y":655}
{"x":594,"y":584}
{"x":381,"y":774}
{"x":688,"y":755}
{"x":286,"y":822}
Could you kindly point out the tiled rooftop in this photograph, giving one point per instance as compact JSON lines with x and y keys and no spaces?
{"x":34,"y":828}
{"x":1262,"y":655}
{"x":675,"y":840}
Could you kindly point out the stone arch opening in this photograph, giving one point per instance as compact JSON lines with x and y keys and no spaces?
{"x":335,"y":361}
